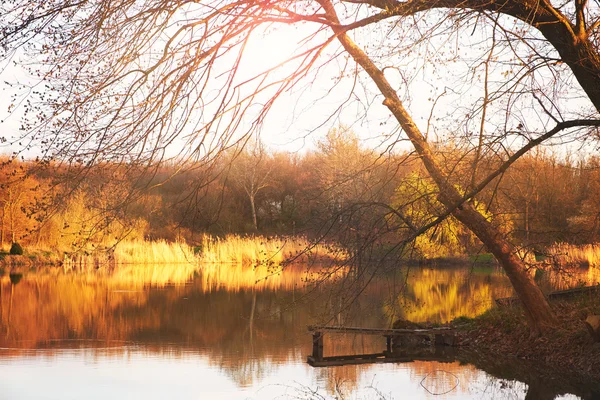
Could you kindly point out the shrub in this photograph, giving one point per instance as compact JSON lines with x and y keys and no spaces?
{"x":16,"y":249}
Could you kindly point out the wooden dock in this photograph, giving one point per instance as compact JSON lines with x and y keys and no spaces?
{"x":438,"y":336}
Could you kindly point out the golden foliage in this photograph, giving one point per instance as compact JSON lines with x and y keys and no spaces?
{"x":416,"y":200}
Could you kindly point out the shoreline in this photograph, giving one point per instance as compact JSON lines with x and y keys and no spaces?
{"x":503,"y":332}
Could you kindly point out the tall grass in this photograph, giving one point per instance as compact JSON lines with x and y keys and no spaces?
{"x":564,"y":254}
{"x":233,"y":262}
{"x":139,"y":262}
{"x":133,"y":252}
{"x":260,"y":263}
{"x":154,"y":252}
{"x":259,"y":250}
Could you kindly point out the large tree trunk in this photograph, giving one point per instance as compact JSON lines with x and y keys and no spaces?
{"x":537,"y":310}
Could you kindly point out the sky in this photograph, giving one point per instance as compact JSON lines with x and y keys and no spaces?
{"x":301,"y":117}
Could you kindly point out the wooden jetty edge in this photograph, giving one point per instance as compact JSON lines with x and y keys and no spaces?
{"x":440,"y":336}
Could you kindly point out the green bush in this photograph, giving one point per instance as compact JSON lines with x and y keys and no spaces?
{"x":16,"y":249}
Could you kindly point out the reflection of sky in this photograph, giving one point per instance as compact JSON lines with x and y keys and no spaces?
{"x":138,"y":374}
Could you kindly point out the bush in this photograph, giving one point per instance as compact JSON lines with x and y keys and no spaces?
{"x":16,"y":249}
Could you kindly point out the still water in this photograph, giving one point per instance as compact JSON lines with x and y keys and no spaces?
{"x":226,"y":335}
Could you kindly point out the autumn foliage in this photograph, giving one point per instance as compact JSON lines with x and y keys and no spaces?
{"x":541,"y":201}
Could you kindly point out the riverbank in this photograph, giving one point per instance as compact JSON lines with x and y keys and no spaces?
{"x":231,"y":249}
{"x":503,"y":331}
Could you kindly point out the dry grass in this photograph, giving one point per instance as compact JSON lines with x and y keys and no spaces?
{"x":259,"y":250}
{"x":137,"y":252}
{"x":260,"y":263}
{"x":155,"y":252}
{"x":566,"y":254}
{"x":233,"y":262}
{"x":157,"y":263}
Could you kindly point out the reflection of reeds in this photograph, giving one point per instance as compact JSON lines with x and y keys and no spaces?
{"x":154,"y":274}
{"x":568,"y":254}
{"x":233,"y":262}
{"x":444,"y":294}
{"x":235,"y":277}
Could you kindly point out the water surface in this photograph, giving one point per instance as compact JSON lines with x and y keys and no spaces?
{"x":98,"y":336}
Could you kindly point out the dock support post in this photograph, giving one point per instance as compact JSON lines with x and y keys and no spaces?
{"x":388,"y":343}
{"x":317,"y":352}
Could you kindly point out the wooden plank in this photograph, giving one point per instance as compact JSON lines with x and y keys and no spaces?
{"x":367,"y":356}
{"x":346,"y":360}
{"x":376,"y":331}
{"x":378,"y":358}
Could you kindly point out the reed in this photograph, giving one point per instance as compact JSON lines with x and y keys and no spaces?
{"x":233,"y":262}
{"x":137,"y":252}
{"x":156,"y":263}
{"x":564,"y":254}
{"x":154,"y":252}
{"x":260,"y":250}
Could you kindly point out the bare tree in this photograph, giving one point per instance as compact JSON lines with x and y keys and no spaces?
{"x":252,"y":173}
{"x":126,"y":81}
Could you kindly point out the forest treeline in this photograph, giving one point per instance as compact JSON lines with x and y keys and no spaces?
{"x":339,"y":188}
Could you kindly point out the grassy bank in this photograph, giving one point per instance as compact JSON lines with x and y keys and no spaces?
{"x":233,"y":262}
{"x":38,"y":257}
{"x":232,"y":249}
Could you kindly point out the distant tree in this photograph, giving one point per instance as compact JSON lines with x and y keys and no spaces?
{"x":251,"y":172}
{"x":340,"y":162}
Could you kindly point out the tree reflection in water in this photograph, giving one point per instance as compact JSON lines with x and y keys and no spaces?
{"x":248,"y":330}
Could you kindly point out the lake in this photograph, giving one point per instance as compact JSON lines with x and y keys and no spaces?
{"x":232,"y":334}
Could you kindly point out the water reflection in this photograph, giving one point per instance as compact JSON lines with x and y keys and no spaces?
{"x":440,"y":295}
{"x":246,"y":336}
